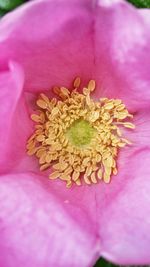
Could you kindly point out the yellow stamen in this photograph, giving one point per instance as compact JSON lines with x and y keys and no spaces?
{"x":77,"y":137}
{"x":77,"y":82}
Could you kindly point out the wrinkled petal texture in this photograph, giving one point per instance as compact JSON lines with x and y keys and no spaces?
{"x":42,"y":221}
{"x":122,"y":53}
{"x":125,"y":223}
{"x":50,"y":52}
{"x":11,"y":84}
{"x":37,"y":230}
{"x":15,"y":123}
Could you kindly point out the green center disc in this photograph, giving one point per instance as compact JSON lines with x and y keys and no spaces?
{"x":80,"y":133}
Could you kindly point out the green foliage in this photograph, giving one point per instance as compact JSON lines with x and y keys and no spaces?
{"x":103,"y":263}
{"x":10,"y":4}
{"x":2,"y":12}
{"x":140,"y":3}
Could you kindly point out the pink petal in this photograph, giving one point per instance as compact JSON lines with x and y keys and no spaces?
{"x":122,"y":53}
{"x":16,"y":126}
{"x":11,"y":84}
{"x":140,"y":136}
{"x":124,"y":220}
{"x":51,"y":53}
{"x":37,"y":230}
{"x":145,"y":13}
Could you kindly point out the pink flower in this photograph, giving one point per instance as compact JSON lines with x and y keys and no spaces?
{"x":42,"y":223}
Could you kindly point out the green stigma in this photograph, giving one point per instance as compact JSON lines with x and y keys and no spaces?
{"x":80,"y":133}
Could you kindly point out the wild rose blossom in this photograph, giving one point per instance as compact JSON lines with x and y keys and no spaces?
{"x":43,"y":223}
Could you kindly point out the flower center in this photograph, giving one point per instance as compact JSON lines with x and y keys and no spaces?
{"x":80,"y":133}
{"x":77,"y":137}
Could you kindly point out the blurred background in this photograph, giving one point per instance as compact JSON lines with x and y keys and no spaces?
{"x":8,"y":5}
